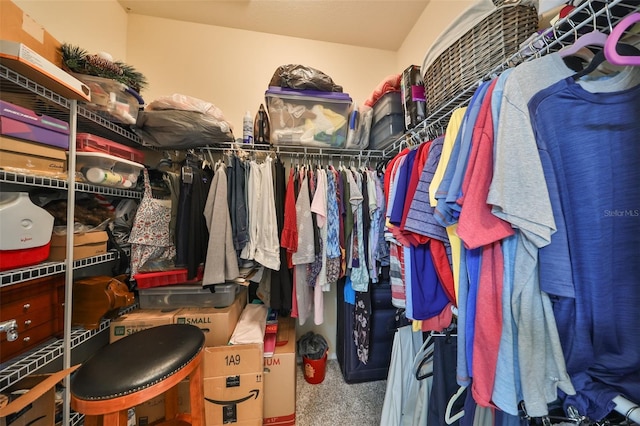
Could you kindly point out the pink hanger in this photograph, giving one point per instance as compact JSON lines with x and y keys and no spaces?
{"x":610,"y":51}
{"x":593,"y":38}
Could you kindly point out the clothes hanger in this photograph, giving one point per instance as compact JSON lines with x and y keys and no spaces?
{"x":448,"y":418}
{"x":593,"y":38}
{"x":600,"y":57}
{"x":425,"y":354}
{"x":612,"y":51}
{"x":579,"y":47}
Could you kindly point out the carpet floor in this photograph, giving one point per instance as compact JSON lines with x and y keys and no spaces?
{"x":335,"y":402}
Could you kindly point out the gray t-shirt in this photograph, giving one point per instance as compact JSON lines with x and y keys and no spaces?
{"x":519,"y":195}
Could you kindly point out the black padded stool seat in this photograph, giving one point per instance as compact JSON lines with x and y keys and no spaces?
{"x":135,"y":364}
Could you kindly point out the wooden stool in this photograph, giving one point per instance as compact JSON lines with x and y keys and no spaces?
{"x":138,"y":368}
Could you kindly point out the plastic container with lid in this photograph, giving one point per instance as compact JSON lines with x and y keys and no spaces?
{"x":107,"y":170}
{"x":308,"y":117}
{"x":386,"y":130}
{"x":86,"y":142}
{"x":188,"y":296}
{"x":111,"y":99}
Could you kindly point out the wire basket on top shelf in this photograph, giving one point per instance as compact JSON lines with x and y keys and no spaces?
{"x":481,"y":49}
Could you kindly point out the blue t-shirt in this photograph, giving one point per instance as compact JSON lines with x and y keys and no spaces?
{"x":589,"y":146}
{"x":447,"y":210}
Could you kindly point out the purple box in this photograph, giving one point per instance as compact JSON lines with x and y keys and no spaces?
{"x":22,"y":123}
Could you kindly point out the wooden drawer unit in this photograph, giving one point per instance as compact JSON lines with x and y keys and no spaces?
{"x":37,"y":307}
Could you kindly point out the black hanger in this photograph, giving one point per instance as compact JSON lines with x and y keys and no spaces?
{"x":599,"y":58}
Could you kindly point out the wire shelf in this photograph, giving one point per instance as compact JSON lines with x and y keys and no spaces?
{"x":16,"y":87}
{"x":53,"y":183}
{"x":46,"y":269}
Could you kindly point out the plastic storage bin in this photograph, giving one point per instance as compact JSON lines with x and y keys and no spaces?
{"x":159,"y":279}
{"x":112,"y":99}
{"x":387,"y":104}
{"x":86,"y":142}
{"x":385,"y":131}
{"x":388,"y":120}
{"x":107,"y":170}
{"x":308,"y":117}
{"x":188,"y":296}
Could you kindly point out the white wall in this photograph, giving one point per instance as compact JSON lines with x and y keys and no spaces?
{"x":94,"y":25}
{"x":433,"y":21}
{"x":232,"y":68}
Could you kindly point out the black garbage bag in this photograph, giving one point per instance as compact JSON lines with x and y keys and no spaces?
{"x":179,"y":129}
{"x":312,"y":345}
{"x":301,"y":77}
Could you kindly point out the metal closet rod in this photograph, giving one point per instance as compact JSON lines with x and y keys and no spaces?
{"x":305,"y":152}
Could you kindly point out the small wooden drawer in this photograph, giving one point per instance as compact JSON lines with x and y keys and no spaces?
{"x":26,"y":340}
{"x":36,"y":306}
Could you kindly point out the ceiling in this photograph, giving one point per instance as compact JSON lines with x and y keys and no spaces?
{"x":378,"y":24}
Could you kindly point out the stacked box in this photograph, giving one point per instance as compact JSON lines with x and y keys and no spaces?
{"x":233,"y":384}
{"x":280,"y":377}
{"x":388,"y":120}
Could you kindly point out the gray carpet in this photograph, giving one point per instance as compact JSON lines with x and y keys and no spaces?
{"x":335,"y":402}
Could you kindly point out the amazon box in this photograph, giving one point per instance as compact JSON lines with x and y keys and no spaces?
{"x":233,"y":385}
{"x":280,"y":377}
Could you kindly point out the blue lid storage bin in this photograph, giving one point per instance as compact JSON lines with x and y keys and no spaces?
{"x":308,"y":117}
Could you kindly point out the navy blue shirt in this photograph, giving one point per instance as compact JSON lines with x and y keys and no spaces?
{"x":589,"y":145}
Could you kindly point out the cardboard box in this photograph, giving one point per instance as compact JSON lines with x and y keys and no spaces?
{"x":25,"y":61}
{"x":84,"y":245}
{"x":40,"y":412}
{"x":280,"y":377}
{"x":16,"y":25}
{"x":137,"y":320}
{"x":233,"y":384}
{"x":32,"y":158}
{"x":152,"y":411}
{"x":216,"y":323}
{"x":23,"y":123}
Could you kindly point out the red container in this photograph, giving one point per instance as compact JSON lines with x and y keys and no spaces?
{"x":162,"y":278}
{"x":314,"y":369}
{"x":87,"y":142}
{"x":13,"y":259}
